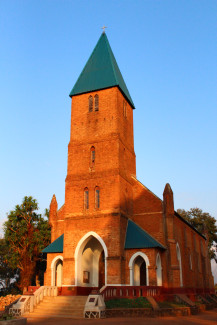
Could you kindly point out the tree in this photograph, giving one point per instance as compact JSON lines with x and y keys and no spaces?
{"x":203,"y":221}
{"x":8,"y":275}
{"x":26,"y":233}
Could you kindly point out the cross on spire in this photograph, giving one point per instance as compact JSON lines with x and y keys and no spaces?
{"x":104,"y":27}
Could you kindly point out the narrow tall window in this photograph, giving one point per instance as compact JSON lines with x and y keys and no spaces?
{"x":190,"y":262}
{"x":125,"y":108}
{"x":97,"y":198}
{"x":96,"y":102}
{"x":90,"y":102}
{"x":86,"y":199}
{"x":92,"y":155}
{"x":180,"y":264}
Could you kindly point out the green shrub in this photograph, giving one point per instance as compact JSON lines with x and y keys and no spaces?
{"x":140,"y":302}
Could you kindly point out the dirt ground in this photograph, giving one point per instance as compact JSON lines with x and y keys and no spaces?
{"x":206,"y":318}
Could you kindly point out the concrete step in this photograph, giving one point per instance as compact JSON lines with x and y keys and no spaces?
{"x":52,"y":309}
{"x":60,"y":306}
{"x":52,"y":315}
{"x":63,"y":303}
{"x":57,"y":311}
{"x":153,"y":302}
{"x":185,"y":299}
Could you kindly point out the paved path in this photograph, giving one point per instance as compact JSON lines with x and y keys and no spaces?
{"x":206,"y":318}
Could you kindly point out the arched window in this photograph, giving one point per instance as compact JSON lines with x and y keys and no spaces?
{"x":178,"y":252}
{"x":190,"y":261}
{"x":86,"y":198}
{"x":201,"y":247}
{"x":90,"y":102}
{"x":159,"y":270}
{"x":97,"y":197}
{"x":96,"y":102}
{"x":92,"y":155}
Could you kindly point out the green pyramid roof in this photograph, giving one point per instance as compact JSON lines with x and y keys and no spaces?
{"x":101,"y":71}
{"x":56,"y":246}
{"x":136,"y":237}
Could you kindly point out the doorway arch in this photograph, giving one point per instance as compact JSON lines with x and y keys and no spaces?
{"x":138,"y":265}
{"x":91,"y":261}
{"x":57,"y":271}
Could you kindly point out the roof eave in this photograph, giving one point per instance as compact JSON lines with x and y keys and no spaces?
{"x":187,"y":223}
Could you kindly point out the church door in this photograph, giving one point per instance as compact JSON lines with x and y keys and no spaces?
{"x":102,"y":270}
{"x":143,"y":274}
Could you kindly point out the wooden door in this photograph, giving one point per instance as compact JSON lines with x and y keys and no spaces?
{"x":143,"y":274}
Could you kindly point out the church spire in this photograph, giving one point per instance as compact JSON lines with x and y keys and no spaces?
{"x":101,"y":71}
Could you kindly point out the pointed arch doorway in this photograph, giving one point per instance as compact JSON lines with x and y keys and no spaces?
{"x":57,"y":271}
{"x":138,"y":265}
{"x":91,"y":261}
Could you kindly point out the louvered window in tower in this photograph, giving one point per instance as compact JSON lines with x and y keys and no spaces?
{"x":97,"y":197}
{"x":96,"y":102}
{"x":90,"y":102}
{"x":86,"y":199}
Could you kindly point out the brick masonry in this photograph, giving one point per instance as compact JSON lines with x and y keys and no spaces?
{"x":122,"y":197}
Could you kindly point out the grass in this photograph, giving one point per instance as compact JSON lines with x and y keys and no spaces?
{"x":140,"y":302}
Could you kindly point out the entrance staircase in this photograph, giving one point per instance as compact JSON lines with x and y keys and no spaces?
{"x":59,"y":306}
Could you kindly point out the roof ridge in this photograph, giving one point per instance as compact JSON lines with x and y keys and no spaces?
{"x":111,"y":58}
{"x":146,"y":188}
{"x":82,"y":71}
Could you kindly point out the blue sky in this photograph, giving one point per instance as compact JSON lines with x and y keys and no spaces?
{"x":166,"y":51}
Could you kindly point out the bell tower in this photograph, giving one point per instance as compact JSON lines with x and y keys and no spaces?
{"x":101,"y":156}
{"x":99,"y":184}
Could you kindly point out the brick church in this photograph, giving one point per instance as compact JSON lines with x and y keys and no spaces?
{"x":112,"y":230}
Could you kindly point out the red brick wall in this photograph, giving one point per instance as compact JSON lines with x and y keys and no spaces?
{"x":121,"y":197}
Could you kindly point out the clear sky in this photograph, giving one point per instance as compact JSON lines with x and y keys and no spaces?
{"x":166,"y":51}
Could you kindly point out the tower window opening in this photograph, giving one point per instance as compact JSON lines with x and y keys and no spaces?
{"x":92,"y":155}
{"x":86,"y":199}
{"x":90,"y":102}
{"x":96,"y":102}
{"x":97,"y":198}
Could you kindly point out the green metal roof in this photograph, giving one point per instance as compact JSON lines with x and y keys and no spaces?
{"x":101,"y":71}
{"x":136,"y":237}
{"x":56,"y":246}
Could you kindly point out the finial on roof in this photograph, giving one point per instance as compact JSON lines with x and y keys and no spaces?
{"x":168,"y":188}
{"x":104,"y":27}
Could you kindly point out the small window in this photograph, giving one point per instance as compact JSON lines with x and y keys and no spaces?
{"x":92,"y":155}
{"x":90,"y":102}
{"x":97,"y":198}
{"x":96,"y":102}
{"x":125,"y":108}
{"x":201,"y":246}
{"x":185,"y":237}
{"x":198,"y":262}
{"x":190,"y":262}
{"x":86,"y":199}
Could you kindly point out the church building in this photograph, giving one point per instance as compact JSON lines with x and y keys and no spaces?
{"x":112,"y":230}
